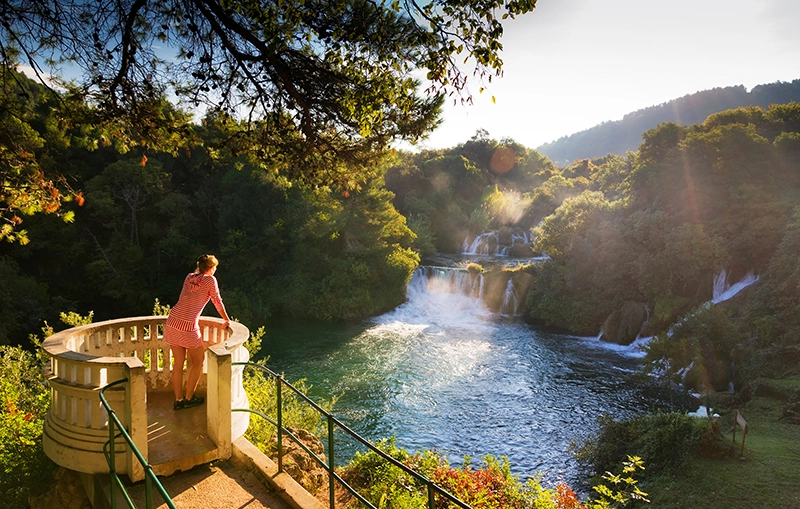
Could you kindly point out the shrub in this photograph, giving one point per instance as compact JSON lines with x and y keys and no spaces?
{"x":492,"y":486}
{"x":261,"y":390}
{"x":663,"y":440}
{"x":24,"y":400}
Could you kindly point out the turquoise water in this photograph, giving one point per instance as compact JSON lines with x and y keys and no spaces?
{"x":442,"y":372}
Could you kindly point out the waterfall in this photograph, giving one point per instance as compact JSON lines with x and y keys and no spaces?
{"x":525,"y":238}
{"x":427,"y":279}
{"x":720,"y":281}
{"x":481,"y":245}
{"x":724,"y":291}
{"x":510,"y":301}
{"x":489,"y":243}
{"x":443,"y":297}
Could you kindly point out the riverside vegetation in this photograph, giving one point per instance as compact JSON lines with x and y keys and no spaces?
{"x":661,"y":222}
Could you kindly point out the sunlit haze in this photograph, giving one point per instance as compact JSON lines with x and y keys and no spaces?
{"x":573,"y":64}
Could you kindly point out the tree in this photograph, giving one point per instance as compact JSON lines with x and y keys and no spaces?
{"x":334,"y":78}
{"x":27,"y":186}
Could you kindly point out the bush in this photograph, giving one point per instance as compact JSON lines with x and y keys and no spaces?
{"x":261,"y":390}
{"x":663,"y":440}
{"x":24,"y":401}
{"x":492,"y":486}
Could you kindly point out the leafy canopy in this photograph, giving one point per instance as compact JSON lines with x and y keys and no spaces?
{"x":316,"y":90}
{"x":338,"y":72}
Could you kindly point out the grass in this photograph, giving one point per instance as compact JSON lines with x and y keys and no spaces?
{"x":767,"y":477}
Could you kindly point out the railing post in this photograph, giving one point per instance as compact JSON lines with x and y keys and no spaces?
{"x":112,"y":461}
{"x":136,"y":417}
{"x":331,"y":464}
{"x":148,"y":492}
{"x":218,"y":406}
{"x":279,"y":401}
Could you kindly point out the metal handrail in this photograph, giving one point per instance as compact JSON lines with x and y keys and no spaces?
{"x":432,"y":488}
{"x":108,"y":451}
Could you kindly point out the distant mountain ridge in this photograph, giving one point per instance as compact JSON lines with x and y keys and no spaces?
{"x":619,"y":136}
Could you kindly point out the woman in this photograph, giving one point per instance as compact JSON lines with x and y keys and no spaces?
{"x":182,"y":330}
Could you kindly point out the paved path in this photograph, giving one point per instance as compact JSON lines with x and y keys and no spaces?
{"x":220,"y":485}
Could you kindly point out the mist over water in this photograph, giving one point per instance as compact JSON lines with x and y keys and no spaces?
{"x":443,"y":372}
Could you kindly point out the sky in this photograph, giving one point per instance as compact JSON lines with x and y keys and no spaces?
{"x":572,"y":64}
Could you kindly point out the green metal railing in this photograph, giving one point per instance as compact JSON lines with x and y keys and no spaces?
{"x":433,"y":490}
{"x":108,"y":450}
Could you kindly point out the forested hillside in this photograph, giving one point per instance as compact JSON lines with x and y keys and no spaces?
{"x":720,"y":195}
{"x":619,"y":136}
{"x":138,"y":220}
{"x":635,"y":241}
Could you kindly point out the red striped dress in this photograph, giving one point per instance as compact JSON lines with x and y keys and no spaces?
{"x":182,"y":327}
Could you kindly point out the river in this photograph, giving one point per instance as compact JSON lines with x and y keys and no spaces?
{"x":442,"y":372}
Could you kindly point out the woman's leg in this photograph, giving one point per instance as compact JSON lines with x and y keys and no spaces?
{"x":196,"y":357}
{"x":178,"y":356}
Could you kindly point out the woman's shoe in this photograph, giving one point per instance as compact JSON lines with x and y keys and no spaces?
{"x":179,"y":404}
{"x":195,"y":401}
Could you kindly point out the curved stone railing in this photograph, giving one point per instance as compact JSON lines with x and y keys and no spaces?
{"x":85,"y":359}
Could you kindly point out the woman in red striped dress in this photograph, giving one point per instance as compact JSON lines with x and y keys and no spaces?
{"x":182,"y":330}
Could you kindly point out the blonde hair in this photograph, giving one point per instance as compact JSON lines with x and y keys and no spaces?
{"x":205,"y":262}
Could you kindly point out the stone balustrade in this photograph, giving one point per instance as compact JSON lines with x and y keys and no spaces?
{"x":85,"y":359}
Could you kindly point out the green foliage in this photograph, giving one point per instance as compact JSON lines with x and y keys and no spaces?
{"x":621,"y":488}
{"x":335,"y":255}
{"x":480,"y":185}
{"x":570,"y":220}
{"x":24,"y":401}
{"x":664,"y":440}
{"x":28,"y":184}
{"x":160,"y":309}
{"x":776,"y":310}
{"x":22,"y":300}
{"x":261,"y":392}
{"x":425,"y":243}
{"x":702,"y":348}
{"x":324,"y":86}
{"x":693,"y":201}
{"x":73,"y":319}
{"x":491,"y":486}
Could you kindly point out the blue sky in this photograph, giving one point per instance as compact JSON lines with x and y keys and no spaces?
{"x":572,"y":64}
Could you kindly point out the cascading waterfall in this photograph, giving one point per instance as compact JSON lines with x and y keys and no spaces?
{"x":481,"y":244}
{"x":510,"y":300}
{"x":524,"y":238}
{"x":488,"y":243}
{"x":427,"y":279}
{"x":723,"y":290}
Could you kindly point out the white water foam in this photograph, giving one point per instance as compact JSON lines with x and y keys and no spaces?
{"x":634,"y":350}
{"x":440,"y":301}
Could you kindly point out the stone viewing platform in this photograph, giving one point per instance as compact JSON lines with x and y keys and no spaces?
{"x":85,"y":359}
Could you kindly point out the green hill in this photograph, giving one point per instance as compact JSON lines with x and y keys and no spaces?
{"x":619,"y":136}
